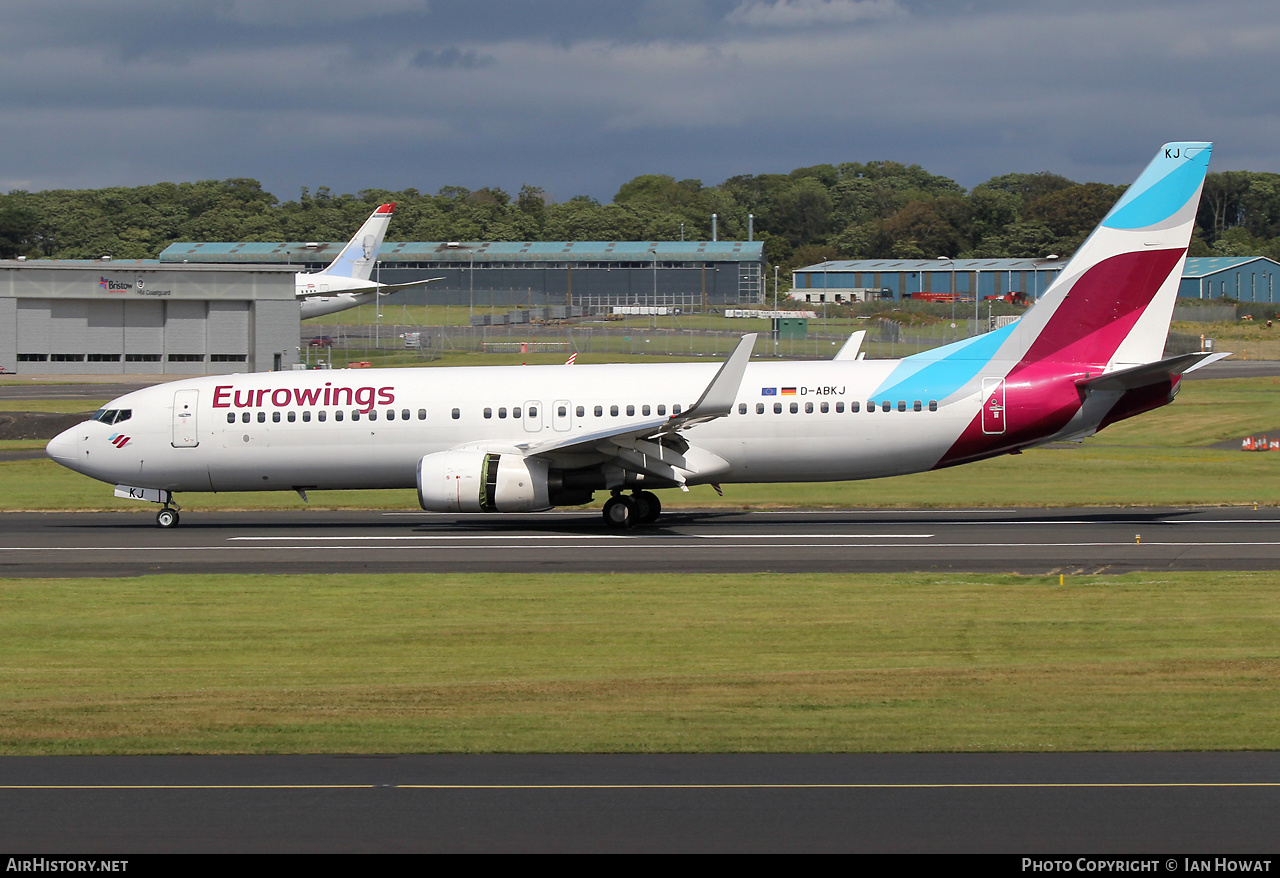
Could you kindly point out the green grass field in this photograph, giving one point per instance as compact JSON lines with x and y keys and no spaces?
{"x":634,"y":663}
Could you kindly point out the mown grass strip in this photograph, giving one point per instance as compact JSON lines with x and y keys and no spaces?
{"x":633,"y":663}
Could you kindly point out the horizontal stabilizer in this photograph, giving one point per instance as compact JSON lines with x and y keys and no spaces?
{"x":1150,"y":373}
{"x":380,"y":289}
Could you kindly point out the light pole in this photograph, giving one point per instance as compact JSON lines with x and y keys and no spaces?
{"x":1035,"y":274}
{"x":952,"y":263}
{"x":653,"y":309}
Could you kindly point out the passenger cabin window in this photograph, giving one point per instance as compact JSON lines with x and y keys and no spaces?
{"x":488,"y":413}
{"x":917,"y":406}
{"x":759,"y":408}
{"x":457,"y":413}
{"x":422,"y":414}
{"x":533,"y":411}
{"x":777,"y":408}
{"x":933,"y":405}
{"x":645,"y":410}
{"x":275,"y":417}
{"x":742,"y":408}
{"x":322,"y":416}
{"x":662,"y":410}
{"x":839,"y":408}
{"x":262,"y":417}
{"x":613,"y":411}
{"x":306,"y":417}
{"x":244,"y":417}
{"x":337,"y":416}
{"x":599,"y":411}
{"x":582,"y":411}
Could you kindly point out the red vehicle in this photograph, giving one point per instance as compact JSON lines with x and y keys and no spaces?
{"x":321,"y":341}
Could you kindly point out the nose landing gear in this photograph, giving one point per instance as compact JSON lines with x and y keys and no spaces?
{"x":168,"y":516}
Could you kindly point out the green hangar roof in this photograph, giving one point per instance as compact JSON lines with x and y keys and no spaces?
{"x":479,"y":251}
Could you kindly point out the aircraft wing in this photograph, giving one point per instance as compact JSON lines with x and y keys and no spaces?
{"x":639,"y":446}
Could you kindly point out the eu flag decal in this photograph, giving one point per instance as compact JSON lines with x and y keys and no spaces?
{"x":768,"y":391}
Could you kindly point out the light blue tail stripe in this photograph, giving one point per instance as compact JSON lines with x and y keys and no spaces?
{"x":938,"y":373}
{"x":1163,"y":188}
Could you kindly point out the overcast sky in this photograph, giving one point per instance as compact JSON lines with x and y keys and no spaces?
{"x":579,"y":96}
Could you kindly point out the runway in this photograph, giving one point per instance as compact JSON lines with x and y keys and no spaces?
{"x":1155,"y":805}
{"x":1031,"y":541}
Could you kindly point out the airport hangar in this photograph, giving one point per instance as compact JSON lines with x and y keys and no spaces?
{"x":1245,"y":279}
{"x":692,"y":275}
{"x":143,"y":318}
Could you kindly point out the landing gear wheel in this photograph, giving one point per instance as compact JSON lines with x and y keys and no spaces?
{"x":167,"y":518}
{"x":648,"y":507}
{"x":619,"y":512}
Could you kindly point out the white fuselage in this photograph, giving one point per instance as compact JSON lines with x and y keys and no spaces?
{"x":265,"y":431}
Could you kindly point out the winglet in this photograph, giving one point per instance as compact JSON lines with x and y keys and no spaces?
{"x":849,"y":351}
{"x":717,"y":400}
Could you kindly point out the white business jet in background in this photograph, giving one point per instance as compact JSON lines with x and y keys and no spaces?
{"x":346,"y":282}
{"x":527,"y":438}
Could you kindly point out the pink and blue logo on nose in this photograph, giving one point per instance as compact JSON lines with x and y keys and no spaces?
{"x":119,"y":440}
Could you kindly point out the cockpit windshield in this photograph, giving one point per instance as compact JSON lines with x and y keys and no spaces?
{"x":113,"y":416}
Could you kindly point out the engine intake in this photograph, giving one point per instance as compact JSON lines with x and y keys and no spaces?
{"x":480,"y":481}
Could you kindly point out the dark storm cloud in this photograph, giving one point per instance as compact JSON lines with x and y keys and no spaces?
{"x":579,"y":97}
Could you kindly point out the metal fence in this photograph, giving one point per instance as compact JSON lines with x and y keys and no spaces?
{"x":884,"y":339}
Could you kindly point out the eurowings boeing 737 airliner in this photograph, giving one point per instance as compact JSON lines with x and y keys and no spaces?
{"x":527,"y":438}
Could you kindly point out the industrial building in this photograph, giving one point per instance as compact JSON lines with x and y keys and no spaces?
{"x":692,"y":275}
{"x":1243,"y":278}
{"x":144,"y":318}
{"x":859,"y":279}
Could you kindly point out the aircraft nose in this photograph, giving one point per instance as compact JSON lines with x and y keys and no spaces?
{"x":62,"y":448}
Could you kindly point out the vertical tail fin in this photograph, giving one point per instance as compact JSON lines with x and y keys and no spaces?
{"x":1110,"y":308}
{"x":357,"y":258}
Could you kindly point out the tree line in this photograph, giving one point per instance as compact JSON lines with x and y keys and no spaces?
{"x":848,"y":211}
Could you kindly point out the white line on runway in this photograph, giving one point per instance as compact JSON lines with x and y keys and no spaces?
{"x":410,"y":537}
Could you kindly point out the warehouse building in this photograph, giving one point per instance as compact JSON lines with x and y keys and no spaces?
{"x":692,"y":275}
{"x":1243,"y":278}
{"x":859,"y":279}
{"x":143,"y":318}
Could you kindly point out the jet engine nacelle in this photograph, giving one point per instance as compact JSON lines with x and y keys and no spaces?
{"x":481,"y":481}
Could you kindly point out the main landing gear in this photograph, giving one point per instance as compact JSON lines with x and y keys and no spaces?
{"x":642,"y":507}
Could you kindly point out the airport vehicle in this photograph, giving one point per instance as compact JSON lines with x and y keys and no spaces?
{"x":346,"y":282}
{"x":527,"y":438}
